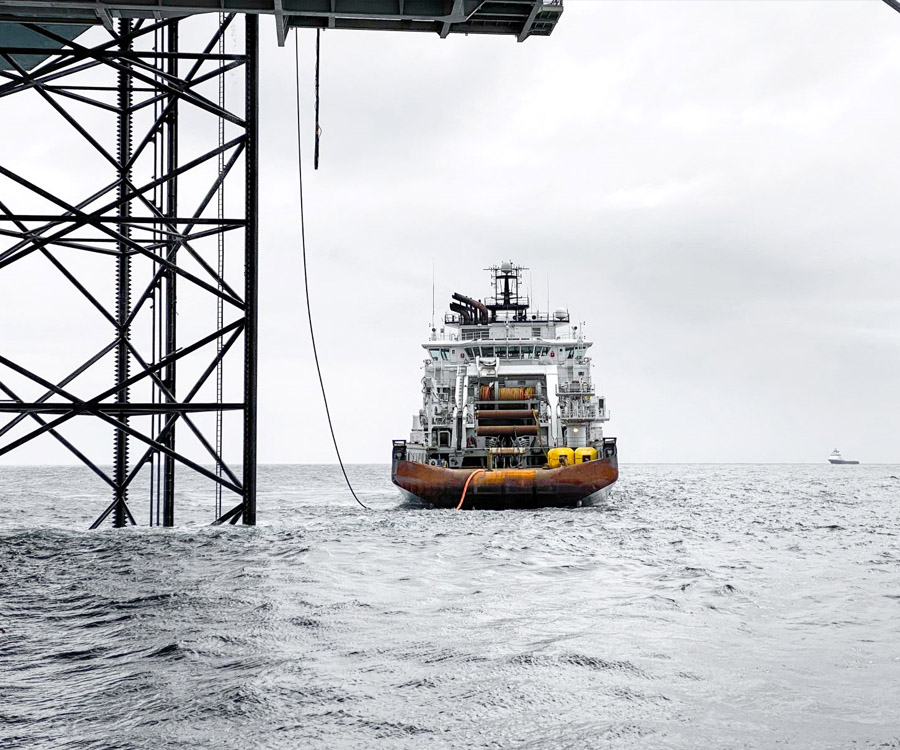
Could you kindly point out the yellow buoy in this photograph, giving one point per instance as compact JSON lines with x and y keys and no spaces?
{"x":557,"y":457}
{"x":585,"y":454}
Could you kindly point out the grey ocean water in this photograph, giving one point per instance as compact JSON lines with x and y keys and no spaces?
{"x":702,"y":606}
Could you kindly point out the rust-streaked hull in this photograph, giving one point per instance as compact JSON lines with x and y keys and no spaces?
{"x":568,"y":486}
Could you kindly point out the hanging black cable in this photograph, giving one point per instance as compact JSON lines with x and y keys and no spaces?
{"x":312,"y":334}
{"x":318,"y":129}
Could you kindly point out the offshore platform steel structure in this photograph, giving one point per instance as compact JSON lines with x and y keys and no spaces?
{"x":161,"y":226}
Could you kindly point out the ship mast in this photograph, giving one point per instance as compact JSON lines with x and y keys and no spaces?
{"x":506,"y":279}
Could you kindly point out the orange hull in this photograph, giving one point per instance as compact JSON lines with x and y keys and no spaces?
{"x":567,"y":486}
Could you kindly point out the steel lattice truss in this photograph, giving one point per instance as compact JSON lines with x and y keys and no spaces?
{"x":133,"y":233}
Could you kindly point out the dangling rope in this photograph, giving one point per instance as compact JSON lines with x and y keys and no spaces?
{"x":312,"y":334}
{"x":318,"y":129}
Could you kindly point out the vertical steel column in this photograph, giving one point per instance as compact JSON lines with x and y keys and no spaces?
{"x":170,"y":277}
{"x":250,"y":273}
{"x":123,"y":275}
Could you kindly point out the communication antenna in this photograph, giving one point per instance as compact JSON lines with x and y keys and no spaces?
{"x":548,"y":296}
{"x":432,"y":293}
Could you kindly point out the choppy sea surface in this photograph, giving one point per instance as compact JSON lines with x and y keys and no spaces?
{"x":745,"y":606}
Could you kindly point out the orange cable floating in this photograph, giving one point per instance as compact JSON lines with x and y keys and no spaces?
{"x":466,"y":486}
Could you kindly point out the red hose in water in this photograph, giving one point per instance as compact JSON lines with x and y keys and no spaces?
{"x":466,"y":486}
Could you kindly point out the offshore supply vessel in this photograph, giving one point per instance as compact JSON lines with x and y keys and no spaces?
{"x":510,"y":416}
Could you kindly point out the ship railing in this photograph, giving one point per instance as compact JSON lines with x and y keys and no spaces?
{"x":585,"y":411}
{"x":582,"y":389}
{"x":455,"y":319}
{"x":576,"y":413}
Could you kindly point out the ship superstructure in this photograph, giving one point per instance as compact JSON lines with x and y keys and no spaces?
{"x":506,"y":387}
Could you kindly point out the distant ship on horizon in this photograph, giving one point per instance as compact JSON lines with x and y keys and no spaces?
{"x":836,"y":458}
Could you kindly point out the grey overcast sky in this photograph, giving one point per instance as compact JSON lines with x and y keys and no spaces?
{"x":710,"y":186}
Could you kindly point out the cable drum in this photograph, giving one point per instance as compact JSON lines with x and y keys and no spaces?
{"x":516,"y":394}
{"x":504,"y":430}
{"x":504,"y":414}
